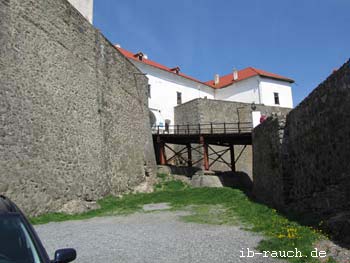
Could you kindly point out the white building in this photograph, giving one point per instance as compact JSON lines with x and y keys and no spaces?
{"x":85,"y":7}
{"x":169,"y":87}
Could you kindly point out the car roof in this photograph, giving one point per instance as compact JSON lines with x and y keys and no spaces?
{"x":7,"y":206}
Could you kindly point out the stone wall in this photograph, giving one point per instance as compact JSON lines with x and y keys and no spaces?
{"x":73,"y":110}
{"x":206,"y":111}
{"x":267,"y":143}
{"x":314,"y":153}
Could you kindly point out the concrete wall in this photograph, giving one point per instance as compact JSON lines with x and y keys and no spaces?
{"x":314,"y":152}
{"x":206,"y":110}
{"x":73,"y":116}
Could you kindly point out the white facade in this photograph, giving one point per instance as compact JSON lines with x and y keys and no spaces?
{"x":169,"y":89}
{"x":246,"y":90}
{"x":164,"y":88}
{"x":85,"y":7}
{"x":259,"y":90}
{"x":270,"y":86}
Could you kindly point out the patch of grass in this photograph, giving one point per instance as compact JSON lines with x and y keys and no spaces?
{"x":162,"y":176}
{"x":209,"y":214}
{"x":213,"y":206}
{"x":175,"y":185}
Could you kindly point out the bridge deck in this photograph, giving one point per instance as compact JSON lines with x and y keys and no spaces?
{"x":222,"y":134}
{"x":214,"y":139}
{"x":212,"y":133}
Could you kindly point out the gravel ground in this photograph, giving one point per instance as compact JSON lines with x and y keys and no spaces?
{"x":149,"y":237}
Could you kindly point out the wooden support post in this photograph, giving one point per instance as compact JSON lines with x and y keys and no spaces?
{"x":205,"y":154}
{"x":189,"y":155}
{"x":232,"y":154}
{"x":162,"y":157}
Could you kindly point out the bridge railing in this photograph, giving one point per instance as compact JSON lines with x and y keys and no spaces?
{"x":205,"y":128}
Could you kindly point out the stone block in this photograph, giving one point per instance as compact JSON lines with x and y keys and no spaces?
{"x":206,"y":181}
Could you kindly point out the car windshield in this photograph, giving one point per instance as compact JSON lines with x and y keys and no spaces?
{"x":16,"y":245}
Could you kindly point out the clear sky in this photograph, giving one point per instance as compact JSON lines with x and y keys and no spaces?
{"x":301,"y":39}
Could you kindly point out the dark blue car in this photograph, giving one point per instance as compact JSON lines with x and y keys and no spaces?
{"x":19,"y":242}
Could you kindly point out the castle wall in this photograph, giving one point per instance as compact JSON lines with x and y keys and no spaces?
{"x":74,"y":119}
{"x":205,"y":111}
{"x":312,"y":157}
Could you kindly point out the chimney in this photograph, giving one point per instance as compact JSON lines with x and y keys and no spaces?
{"x":235,"y":74}
{"x":139,"y":55}
{"x":216,"y":79}
{"x":176,"y":70}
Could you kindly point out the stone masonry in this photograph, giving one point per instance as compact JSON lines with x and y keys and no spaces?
{"x":73,"y":110}
{"x":218,"y":111}
{"x":307,"y":169}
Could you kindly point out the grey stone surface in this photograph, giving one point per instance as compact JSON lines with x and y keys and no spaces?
{"x":206,"y":181}
{"x":157,"y":206}
{"x":268,"y":183}
{"x":78,"y":207}
{"x":309,"y":160}
{"x":73,"y":115}
{"x":150,"y":237}
{"x":217,"y":111}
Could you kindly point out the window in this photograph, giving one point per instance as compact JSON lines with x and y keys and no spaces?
{"x":16,"y":242}
{"x":277,"y":99}
{"x":179,"y":98}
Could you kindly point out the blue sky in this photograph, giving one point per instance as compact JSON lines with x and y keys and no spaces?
{"x":301,"y":39}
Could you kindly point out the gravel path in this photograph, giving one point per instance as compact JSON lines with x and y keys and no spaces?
{"x":149,"y":237}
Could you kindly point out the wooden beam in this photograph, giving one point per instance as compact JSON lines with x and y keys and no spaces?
{"x":205,"y":154}
{"x":232,"y":155}
{"x":162,"y":157}
{"x":189,"y":155}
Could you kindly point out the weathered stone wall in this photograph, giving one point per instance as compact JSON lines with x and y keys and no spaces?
{"x":206,"y":111}
{"x":73,"y":115}
{"x":314,"y":153}
{"x":318,"y":148}
{"x":267,"y":143}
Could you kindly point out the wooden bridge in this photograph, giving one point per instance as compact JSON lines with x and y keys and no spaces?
{"x":204,"y":136}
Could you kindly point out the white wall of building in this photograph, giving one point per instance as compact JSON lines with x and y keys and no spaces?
{"x":259,"y":90}
{"x":164,"y":87}
{"x":270,"y":86}
{"x":243,"y":91}
{"x":85,"y":7}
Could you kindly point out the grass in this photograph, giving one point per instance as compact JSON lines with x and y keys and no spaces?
{"x":211,"y":206}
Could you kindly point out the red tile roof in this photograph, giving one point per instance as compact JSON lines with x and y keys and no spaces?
{"x":246,"y":73}
{"x":224,"y":80}
{"x":173,"y":70}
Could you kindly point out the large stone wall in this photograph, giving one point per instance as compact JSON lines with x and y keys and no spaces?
{"x":267,"y":143}
{"x":217,"y":111}
{"x":314,"y":152}
{"x":73,"y":110}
